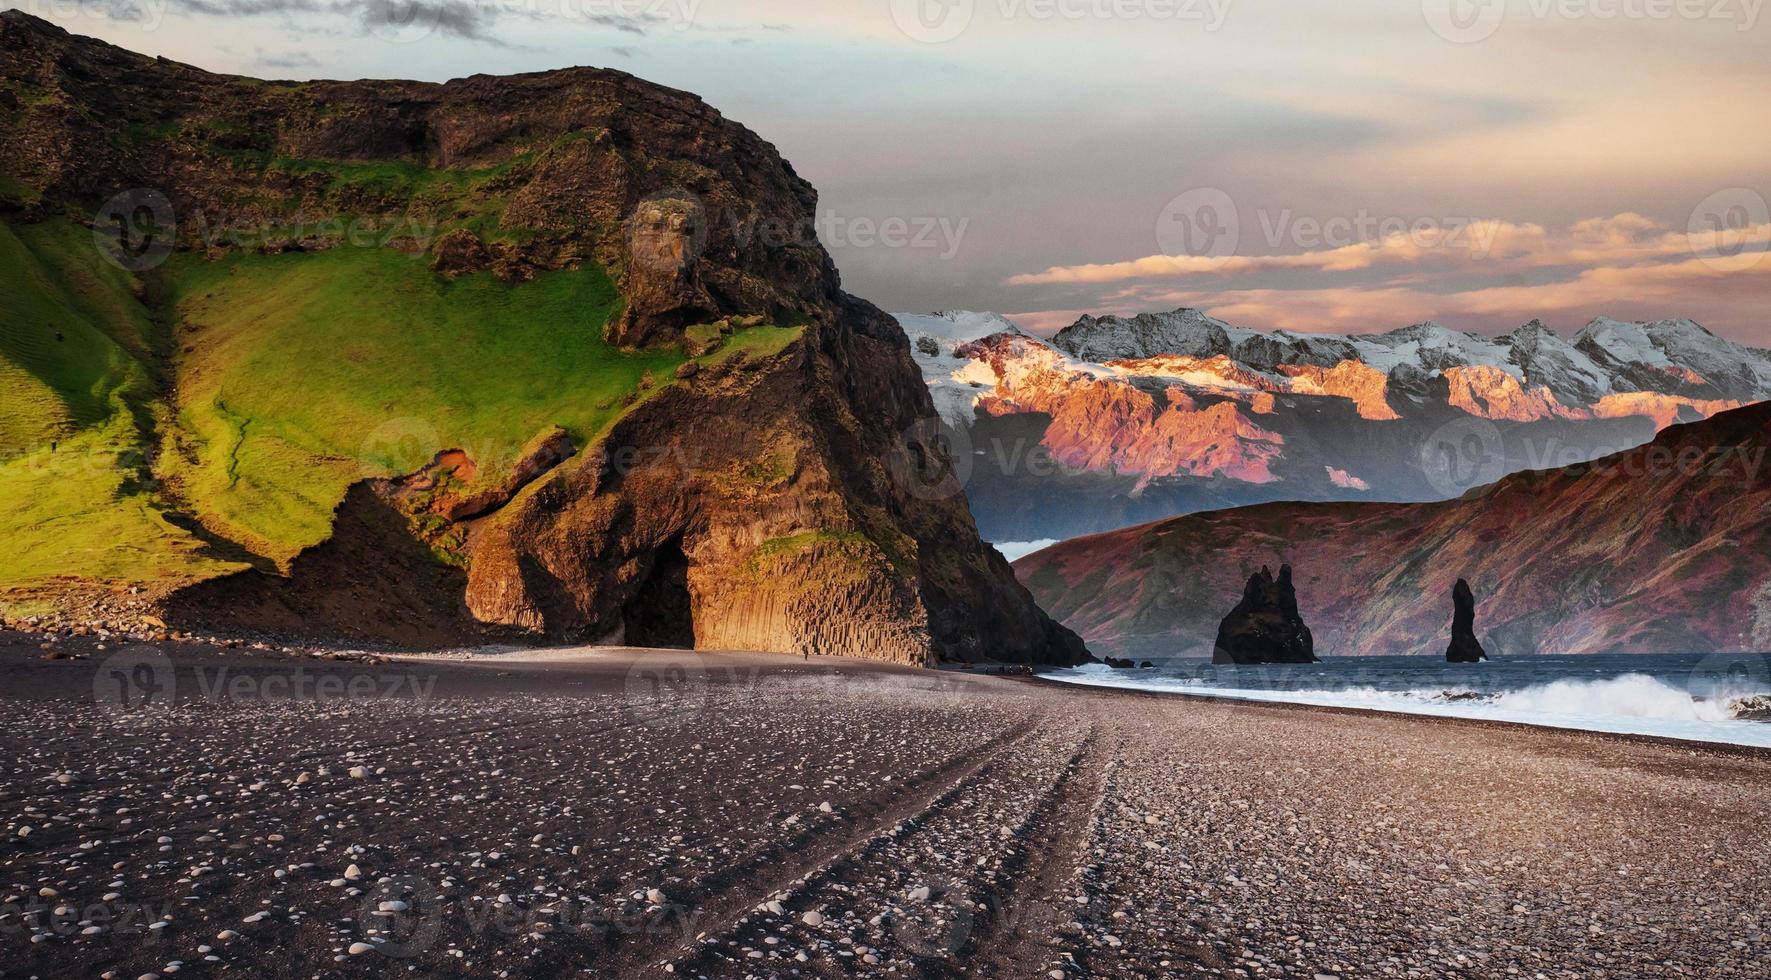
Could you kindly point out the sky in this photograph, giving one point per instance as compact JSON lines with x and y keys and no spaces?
{"x":1314,"y":165}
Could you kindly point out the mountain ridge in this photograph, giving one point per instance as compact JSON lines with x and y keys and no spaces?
{"x":1661,"y":547}
{"x":1185,"y":412}
{"x":1193,"y":333}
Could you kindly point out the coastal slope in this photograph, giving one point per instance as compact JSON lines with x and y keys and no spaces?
{"x":1665,"y":547}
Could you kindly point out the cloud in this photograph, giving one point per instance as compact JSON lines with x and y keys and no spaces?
{"x":458,"y":17}
{"x":1487,"y":246}
{"x":254,"y":8}
{"x":1478,"y":273}
{"x":468,"y":19}
{"x":1712,"y":290}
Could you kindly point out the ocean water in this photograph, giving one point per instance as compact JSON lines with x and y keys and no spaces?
{"x":1689,"y":696}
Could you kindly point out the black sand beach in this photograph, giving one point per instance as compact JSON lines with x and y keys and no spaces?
{"x":626,"y":813}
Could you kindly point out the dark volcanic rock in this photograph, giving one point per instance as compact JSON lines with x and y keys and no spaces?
{"x":1265,"y":627}
{"x":1465,"y":648}
{"x":372,"y":582}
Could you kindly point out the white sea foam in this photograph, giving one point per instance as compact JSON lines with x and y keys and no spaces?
{"x":1629,"y":696}
{"x":1631,"y":704}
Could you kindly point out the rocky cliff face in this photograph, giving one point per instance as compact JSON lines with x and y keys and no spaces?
{"x":1120,"y":420}
{"x":1666,"y":547}
{"x":776,"y":498}
{"x":1464,"y":648}
{"x":1265,"y":627}
{"x":697,"y":213}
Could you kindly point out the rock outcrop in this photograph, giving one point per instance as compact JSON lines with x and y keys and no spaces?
{"x":1465,"y":648}
{"x":1265,"y":627}
{"x":1663,"y":547}
{"x":780,"y":497}
{"x":1755,"y":707}
{"x":372,"y":582}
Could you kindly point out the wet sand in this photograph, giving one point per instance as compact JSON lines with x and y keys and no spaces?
{"x":633,"y":813}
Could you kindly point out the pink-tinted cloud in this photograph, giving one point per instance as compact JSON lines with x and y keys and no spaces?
{"x":1482,"y":247}
{"x":1713,"y":290}
{"x":1623,"y":265}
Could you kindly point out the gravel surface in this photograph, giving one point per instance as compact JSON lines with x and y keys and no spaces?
{"x":199,"y":811}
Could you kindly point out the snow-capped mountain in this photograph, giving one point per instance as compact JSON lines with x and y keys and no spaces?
{"x":1606,"y":356}
{"x":1117,"y":420}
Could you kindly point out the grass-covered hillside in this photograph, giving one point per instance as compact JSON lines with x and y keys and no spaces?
{"x":212,"y":412}
{"x":299,"y":373}
{"x":79,"y":395}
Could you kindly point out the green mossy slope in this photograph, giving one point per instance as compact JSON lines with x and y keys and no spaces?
{"x":241,"y":397}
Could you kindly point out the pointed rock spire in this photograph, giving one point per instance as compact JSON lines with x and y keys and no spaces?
{"x":1465,"y":648}
{"x":1265,"y":627}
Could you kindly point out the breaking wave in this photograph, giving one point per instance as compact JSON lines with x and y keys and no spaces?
{"x":1629,"y":696}
{"x":1629,"y":703}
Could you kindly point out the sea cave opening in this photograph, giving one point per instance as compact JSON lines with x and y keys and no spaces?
{"x":660,"y":614}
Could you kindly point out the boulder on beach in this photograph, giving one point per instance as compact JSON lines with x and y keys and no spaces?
{"x":1465,"y":648}
{"x":1265,"y":627}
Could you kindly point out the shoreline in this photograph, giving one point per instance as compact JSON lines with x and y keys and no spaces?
{"x":1732,"y":748}
{"x":619,"y":811}
{"x":769,"y":663}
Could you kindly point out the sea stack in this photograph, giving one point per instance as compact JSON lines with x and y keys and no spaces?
{"x":1265,"y":627}
{"x":1465,"y":648}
